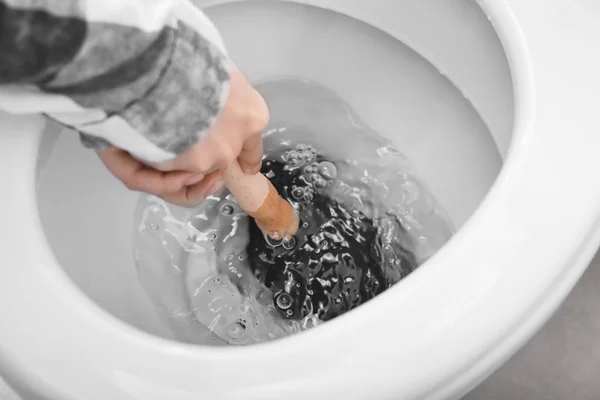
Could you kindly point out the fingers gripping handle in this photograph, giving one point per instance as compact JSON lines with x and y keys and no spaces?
{"x":259,"y":198}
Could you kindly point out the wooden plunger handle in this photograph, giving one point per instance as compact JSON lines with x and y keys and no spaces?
{"x":257,"y":196}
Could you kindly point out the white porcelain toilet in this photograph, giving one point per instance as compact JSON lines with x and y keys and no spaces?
{"x":523,"y":191}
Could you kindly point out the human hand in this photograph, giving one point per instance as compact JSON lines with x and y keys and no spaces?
{"x":192,"y":176}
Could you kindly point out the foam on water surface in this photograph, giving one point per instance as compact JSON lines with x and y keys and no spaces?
{"x":366,"y":222}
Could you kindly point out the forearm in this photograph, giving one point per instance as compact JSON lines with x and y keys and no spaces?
{"x":148,"y":76}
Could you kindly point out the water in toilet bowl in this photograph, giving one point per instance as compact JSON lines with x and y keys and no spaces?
{"x":367,"y":222}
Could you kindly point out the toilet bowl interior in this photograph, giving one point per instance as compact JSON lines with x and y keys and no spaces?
{"x":87,"y":215}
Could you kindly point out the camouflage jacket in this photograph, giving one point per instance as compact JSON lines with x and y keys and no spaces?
{"x":147,"y":76}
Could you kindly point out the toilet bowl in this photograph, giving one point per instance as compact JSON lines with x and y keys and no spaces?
{"x":75,"y":324}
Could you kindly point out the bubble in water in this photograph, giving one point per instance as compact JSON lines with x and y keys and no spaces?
{"x":308,"y":196}
{"x":275,"y":236}
{"x":309,"y":169}
{"x":305,"y":225}
{"x":212,"y":237}
{"x":226,"y":209}
{"x":298,"y":193}
{"x":327,"y":170}
{"x":289,"y":243}
{"x":314,"y":177}
{"x":236,"y":330}
{"x":320,"y":183}
{"x":272,"y":242}
{"x":295,"y":158}
{"x":295,"y":162}
{"x":153,"y":228}
{"x":264,"y":296}
{"x":310,"y":155}
{"x":284,"y":301}
{"x":292,"y":154}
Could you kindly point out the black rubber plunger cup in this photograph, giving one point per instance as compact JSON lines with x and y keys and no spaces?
{"x":333,"y":264}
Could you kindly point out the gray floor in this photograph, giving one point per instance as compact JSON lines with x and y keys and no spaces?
{"x":562,"y":362}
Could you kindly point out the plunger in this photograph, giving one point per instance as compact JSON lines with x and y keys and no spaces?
{"x":339,"y":257}
{"x":259,"y":198}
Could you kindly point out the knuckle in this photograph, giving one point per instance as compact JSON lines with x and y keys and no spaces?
{"x":255,"y":116}
{"x":259,"y":119}
{"x":205,"y":166}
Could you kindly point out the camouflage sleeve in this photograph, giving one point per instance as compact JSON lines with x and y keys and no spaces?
{"x":148,"y":76}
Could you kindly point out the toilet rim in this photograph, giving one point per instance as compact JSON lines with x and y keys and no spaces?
{"x":126,"y":352}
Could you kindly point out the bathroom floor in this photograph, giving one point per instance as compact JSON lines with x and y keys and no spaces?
{"x":561,"y":362}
